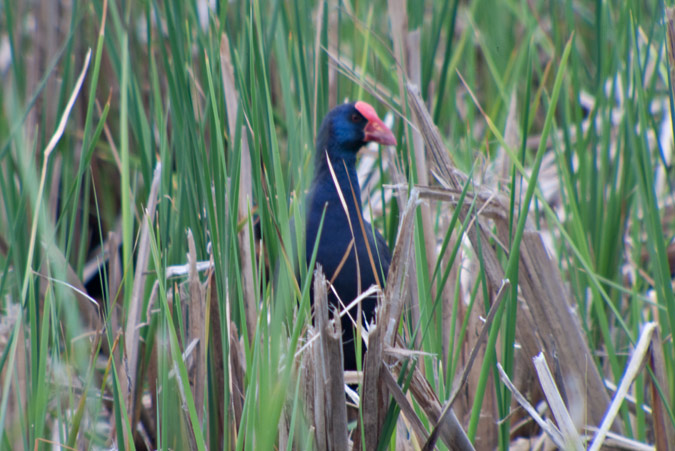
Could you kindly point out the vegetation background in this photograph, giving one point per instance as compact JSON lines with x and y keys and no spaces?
{"x":144,"y":146}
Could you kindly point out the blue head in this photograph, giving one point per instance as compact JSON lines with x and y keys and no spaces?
{"x":346,"y":128}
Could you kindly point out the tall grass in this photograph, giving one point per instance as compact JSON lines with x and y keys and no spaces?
{"x":111,"y":337}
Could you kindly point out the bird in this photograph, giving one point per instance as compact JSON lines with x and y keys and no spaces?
{"x":344,"y":246}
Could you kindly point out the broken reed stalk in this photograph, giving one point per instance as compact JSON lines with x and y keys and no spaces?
{"x":330,"y":410}
{"x":570,"y":435}
{"x":374,"y":399}
{"x":642,"y":352}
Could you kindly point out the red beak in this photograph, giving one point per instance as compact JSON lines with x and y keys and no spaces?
{"x":375,"y":129}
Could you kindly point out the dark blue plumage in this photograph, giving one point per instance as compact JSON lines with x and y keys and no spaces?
{"x":344,"y":130}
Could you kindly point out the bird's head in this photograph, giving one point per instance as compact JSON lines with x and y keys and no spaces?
{"x":346,"y":128}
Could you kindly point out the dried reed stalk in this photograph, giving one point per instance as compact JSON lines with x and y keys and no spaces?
{"x":330,"y":410}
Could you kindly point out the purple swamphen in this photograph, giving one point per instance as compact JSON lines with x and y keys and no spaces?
{"x":346,"y":241}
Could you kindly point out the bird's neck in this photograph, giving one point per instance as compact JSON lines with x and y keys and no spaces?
{"x":325,"y":185}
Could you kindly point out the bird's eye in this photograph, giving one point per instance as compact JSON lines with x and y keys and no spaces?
{"x":355,"y":117}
